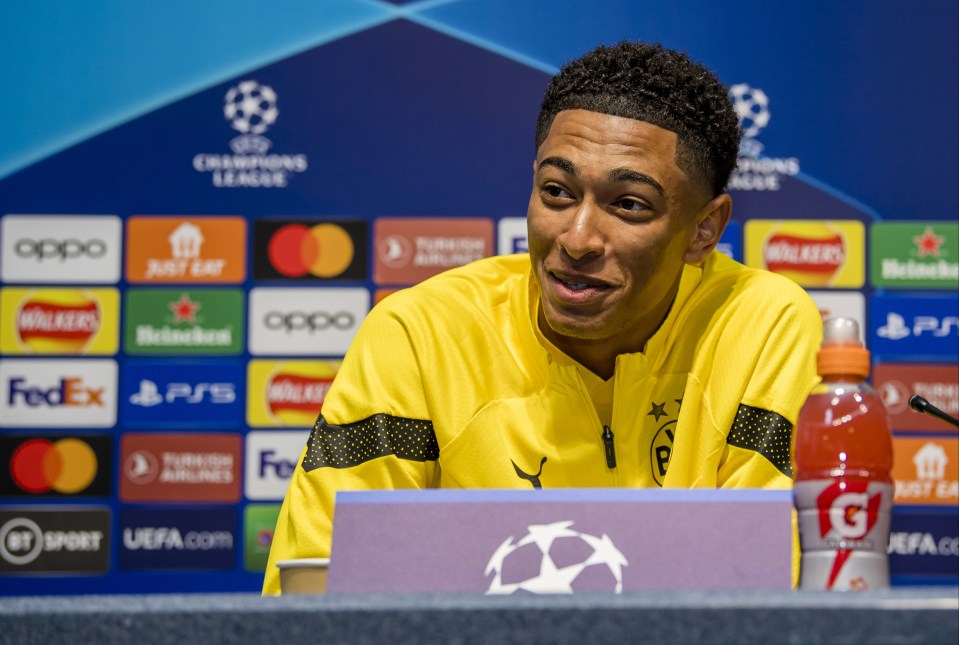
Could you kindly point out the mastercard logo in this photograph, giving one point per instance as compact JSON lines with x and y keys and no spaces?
{"x":324,"y":250}
{"x":66,"y":466}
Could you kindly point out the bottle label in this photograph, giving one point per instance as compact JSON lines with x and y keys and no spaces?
{"x":843,"y":532}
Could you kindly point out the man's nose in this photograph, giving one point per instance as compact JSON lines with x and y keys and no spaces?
{"x":583,"y":237}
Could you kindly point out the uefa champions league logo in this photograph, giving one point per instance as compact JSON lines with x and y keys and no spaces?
{"x":555,"y":558}
{"x":250,"y":107}
{"x":752,"y":108}
{"x":755,"y":171}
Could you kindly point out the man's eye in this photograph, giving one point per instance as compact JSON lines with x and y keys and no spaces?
{"x":555,"y":191}
{"x":631,"y":204}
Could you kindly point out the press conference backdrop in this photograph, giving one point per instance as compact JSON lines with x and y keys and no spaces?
{"x":200,"y":204}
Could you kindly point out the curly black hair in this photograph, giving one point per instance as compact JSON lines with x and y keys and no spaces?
{"x":660,"y":86}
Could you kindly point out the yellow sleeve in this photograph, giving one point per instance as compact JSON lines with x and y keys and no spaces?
{"x":374,"y":432}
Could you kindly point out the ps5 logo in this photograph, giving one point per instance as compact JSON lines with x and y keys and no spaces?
{"x":897,"y":329}
{"x":149,"y":393}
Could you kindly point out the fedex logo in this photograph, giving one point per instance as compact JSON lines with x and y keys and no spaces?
{"x":906,"y":325}
{"x":66,"y":393}
{"x":188,"y":393}
{"x":69,"y":391}
{"x":271,"y":459}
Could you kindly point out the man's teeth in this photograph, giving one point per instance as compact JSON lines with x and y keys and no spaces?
{"x":576,"y":285}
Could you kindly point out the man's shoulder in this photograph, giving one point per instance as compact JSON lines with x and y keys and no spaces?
{"x":478,"y":286}
{"x":740,"y":281}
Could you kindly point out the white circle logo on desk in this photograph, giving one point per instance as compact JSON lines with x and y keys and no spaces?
{"x":555,"y":558}
{"x":21,"y":541}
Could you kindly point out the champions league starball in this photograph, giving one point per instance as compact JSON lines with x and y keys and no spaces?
{"x":555,"y":558}
{"x":752,"y":108}
{"x":250,"y":107}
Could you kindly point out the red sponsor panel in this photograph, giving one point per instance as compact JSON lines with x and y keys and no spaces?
{"x":410,"y":250}
{"x":937,"y":383}
{"x":175,"y":467}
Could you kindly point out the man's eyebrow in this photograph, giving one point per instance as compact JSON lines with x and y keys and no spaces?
{"x":625,"y":174}
{"x":562,"y":163}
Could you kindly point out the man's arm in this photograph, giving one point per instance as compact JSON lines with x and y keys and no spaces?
{"x":374,"y":433}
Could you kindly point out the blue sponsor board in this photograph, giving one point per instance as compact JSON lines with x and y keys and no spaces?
{"x":183,"y":539}
{"x":914,"y":325}
{"x":192,"y":394}
{"x":924,"y":546}
{"x":731,"y":243}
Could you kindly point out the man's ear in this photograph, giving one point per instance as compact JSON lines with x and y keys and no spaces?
{"x":711,"y":221}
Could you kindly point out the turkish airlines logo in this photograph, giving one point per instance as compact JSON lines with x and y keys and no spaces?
{"x":73,"y":249}
{"x":310,"y":250}
{"x":57,"y":466}
{"x":411,"y":250}
{"x":180,"y":467}
{"x":322,"y":322}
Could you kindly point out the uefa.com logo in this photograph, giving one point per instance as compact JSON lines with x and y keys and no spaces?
{"x":250,"y":108}
{"x":755,"y":171}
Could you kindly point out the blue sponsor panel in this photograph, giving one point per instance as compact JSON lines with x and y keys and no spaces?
{"x":924,"y":546}
{"x":180,"y":539}
{"x":731,"y":243}
{"x":190,"y":394}
{"x":914,"y":326}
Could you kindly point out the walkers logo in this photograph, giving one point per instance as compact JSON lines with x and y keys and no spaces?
{"x":259,"y":520}
{"x":177,"y":249}
{"x":64,"y":249}
{"x":812,"y":253}
{"x":305,"y":321}
{"x":288,"y":393}
{"x":54,"y":466}
{"x":844,"y":304}
{"x":309,"y":250}
{"x":59,"y":321}
{"x":54,"y":539}
{"x":909,"y":326}
{"x":62,"y":393}
{"x":189,"y":322}
{"x":190,"y":394}
{"x":271,"y":458}
{"x":174,"y":467}
{"x":411,"y":250}
{"x":914,"y":255}
{"x":754,"y":171}
{"x":184,"y":539}
{"x":938,"y":384}
{"x":926,"y":471}
{"x":511,"y":236}
{"x":251,"y":109}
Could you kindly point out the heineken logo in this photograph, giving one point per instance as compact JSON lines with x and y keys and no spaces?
{"x":919,"y":255}
{"x":166,"y":321}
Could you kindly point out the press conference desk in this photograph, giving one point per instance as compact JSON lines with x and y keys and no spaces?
{"x":902,"y":615}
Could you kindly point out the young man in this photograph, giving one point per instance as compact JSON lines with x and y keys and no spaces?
{"x":621,"y":351}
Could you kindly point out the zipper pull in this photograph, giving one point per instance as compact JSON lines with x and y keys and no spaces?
{"x":610,"y":449}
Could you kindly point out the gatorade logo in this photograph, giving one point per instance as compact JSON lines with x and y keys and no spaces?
{"x":844,"y":507}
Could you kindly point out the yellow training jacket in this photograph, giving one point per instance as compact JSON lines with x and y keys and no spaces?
{"x":450,"y":384}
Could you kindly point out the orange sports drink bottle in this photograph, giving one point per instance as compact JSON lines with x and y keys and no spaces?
{"x":843,"y":451}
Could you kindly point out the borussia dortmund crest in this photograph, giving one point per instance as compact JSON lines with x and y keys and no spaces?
{"x":661,"y":448}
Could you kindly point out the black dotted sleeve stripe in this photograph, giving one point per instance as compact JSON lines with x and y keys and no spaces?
{"x":350,"y":444}
{"x":766,"y":432}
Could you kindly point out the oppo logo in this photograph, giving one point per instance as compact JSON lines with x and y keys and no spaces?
{"x":51,"y":249}
{"x":312,"y":321}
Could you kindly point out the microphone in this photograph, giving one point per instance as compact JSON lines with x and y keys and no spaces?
{"x":919,"y":404}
